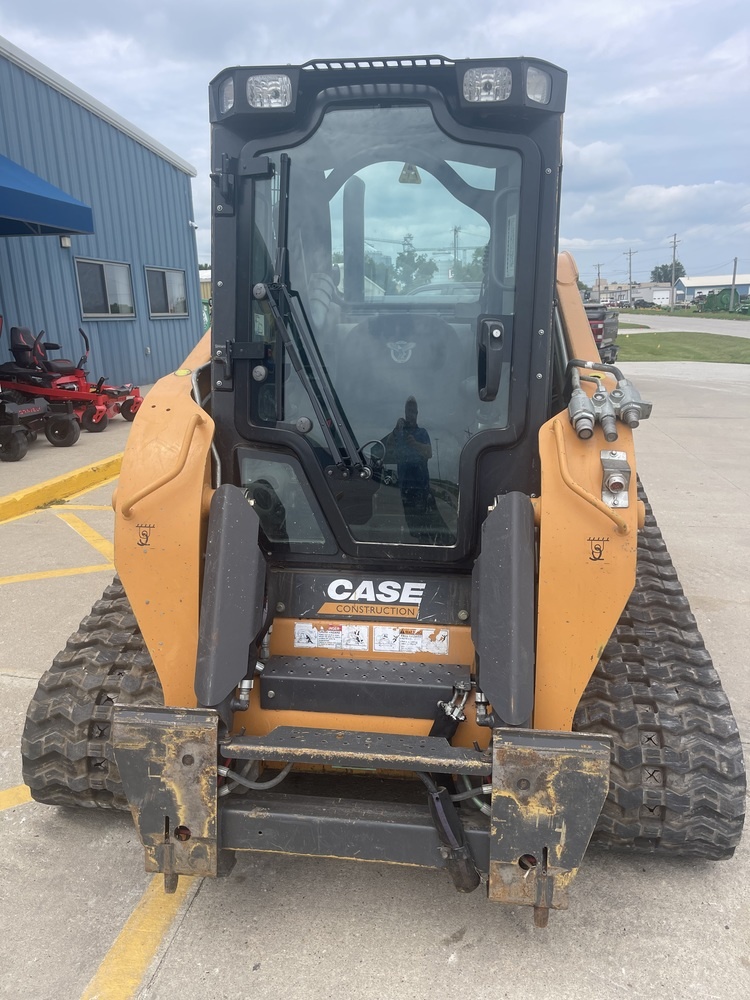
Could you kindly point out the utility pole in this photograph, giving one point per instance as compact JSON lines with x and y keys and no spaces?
{"x":734,"y":285}
{"x":598,"y":281}
{"x":629,"y":255}
{"x":675,"y":241}
{"x":456,"y":231}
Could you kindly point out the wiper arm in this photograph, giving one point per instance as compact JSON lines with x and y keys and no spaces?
{"x":281,"y":269}
{"x":300,"y":345}
{"x":302,"y":350}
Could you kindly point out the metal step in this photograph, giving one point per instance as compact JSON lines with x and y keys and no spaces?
{"x":338,"y":748}
{"x":404,"y":690}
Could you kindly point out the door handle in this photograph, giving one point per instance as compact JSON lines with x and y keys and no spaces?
{"x":490,"y":348}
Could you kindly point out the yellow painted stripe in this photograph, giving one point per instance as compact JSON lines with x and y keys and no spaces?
{"x":102,"y":545}
{"x":51,"y":574}
{"x":126,"y":962}
{"x":53,"y":490}
{"x":90,"y":506}
{"x":10,"y":797}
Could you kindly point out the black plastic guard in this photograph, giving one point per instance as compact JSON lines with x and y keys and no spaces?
{"x":502,"y":609}
{"x":167,"y":763}
{"x":231,"y":614}
{"x":548,"y":790}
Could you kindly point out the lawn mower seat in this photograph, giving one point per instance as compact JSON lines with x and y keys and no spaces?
{"x":22,"y":346}
{"x":31,"y":352}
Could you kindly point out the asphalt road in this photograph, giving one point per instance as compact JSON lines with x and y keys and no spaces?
{"x":74,"y":920}
{"x":688,"y":324}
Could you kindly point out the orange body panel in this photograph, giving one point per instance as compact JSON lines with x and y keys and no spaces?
{"x":578,"y":335}
{"x":159,"y":543}
{"x":586,"y":569}
{"x":586,"y":561}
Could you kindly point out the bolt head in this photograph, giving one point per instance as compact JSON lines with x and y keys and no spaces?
{"x":463,"y":615}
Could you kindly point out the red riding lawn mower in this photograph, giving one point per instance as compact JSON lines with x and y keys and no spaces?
{"x":32,"y":374}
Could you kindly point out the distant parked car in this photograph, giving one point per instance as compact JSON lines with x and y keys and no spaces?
{"x":642,"y":304}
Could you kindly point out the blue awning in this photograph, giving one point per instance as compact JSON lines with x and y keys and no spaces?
{"x":30,"y":206}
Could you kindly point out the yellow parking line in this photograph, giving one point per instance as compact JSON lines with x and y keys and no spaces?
{"x":102,"y":545}
{"x":10,"y":797}
{"x":72,"y":484}
{"x":126,"y":962}
{"x":88,"y":506}
{"x":50,"y":574}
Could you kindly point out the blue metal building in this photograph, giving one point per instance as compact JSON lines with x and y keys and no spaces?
{"x":133,"y":284}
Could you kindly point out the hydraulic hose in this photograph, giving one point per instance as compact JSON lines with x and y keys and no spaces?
{"x":256,"y":785}
{"x":470,"y":793}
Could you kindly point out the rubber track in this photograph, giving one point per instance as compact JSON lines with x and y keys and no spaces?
{"x":66,"y":749}
{"x":677,"y":783}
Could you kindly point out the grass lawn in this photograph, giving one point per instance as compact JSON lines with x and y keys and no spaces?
{"x":658,"y":346}
{"x":743,"y":317}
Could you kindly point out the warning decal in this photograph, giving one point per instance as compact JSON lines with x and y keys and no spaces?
{"x":410,"y":640}
{"x":331,"y":636}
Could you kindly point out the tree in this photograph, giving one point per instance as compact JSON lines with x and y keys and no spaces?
{"x":663,"y":272}
{"x":381,"y":272}
{"x":474,"y":270}
{"x":412,"y":268}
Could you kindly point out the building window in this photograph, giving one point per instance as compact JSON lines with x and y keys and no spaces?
{"x":105,"y":289}
{"x":166,"y":292}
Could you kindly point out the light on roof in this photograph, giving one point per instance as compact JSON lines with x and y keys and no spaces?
{"x":269,"y":90}
{"x":538,"y":85}
{"x":487,"y":83}
{"x":226,"y":95}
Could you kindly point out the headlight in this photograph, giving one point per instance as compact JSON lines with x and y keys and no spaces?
{"x":487,"y":83}
{"x":269,"y":91}
{"x":226,"y":95}
{"x":538,"y":85}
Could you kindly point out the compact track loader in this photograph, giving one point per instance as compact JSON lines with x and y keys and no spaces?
{"x":388,"y":589}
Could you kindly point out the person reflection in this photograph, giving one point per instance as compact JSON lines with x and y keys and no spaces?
{"x":409,"y":446}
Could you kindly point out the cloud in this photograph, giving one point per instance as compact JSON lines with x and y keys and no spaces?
{"x":594,"y":167}
{"x":654,"y":133}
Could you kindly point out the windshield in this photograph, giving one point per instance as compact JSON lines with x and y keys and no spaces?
{"x":399,"y":239}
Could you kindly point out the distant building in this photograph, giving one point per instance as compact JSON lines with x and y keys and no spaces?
{"x":133,"y":284}
{"x":686,"y":288}
{"x":620,"y":294}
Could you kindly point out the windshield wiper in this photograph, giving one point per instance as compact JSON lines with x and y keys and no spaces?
{"x":299,"y":342}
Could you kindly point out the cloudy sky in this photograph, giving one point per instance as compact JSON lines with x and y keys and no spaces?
{"x":657,"y":140}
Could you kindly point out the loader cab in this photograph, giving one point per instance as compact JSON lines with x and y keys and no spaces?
{"x":384,"y":241}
